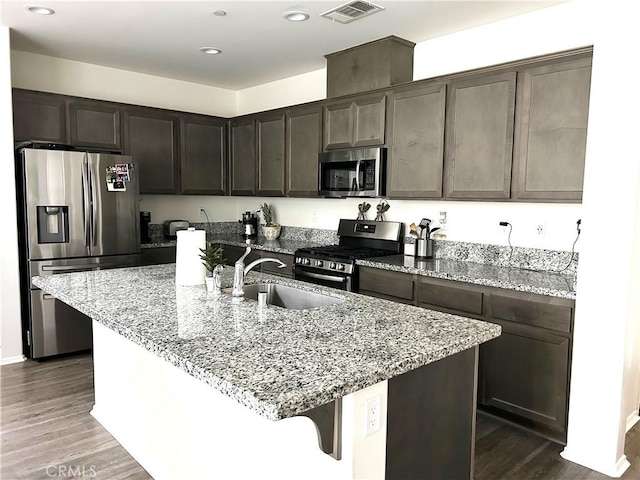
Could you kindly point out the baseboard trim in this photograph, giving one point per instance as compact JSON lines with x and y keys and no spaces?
{"x":632,"y":419}
{"x":10,"y":360}
{"x":614,"y":471}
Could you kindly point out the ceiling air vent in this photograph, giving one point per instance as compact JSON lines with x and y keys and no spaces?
{"x":348,"y":12}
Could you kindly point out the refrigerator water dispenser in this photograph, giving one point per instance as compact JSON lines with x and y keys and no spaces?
{"x":53,"y":223}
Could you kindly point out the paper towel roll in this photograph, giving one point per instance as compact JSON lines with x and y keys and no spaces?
{"x":189,"y":267}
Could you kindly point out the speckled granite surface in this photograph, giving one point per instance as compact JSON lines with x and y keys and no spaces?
{"x":276,"y":362}
{"x":502,"y":256}
{"x":543,"y":283}
{"x":279,"y":245}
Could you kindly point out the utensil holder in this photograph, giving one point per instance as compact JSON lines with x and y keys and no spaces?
{"x":424,"y":248}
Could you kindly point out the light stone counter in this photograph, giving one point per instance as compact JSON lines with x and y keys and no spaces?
{"x":275,"y":361}
{"x":519,"y":279}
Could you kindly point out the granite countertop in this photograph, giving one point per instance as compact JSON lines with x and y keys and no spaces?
{"x":260,"y":243}
{"x":543,"y":283}
{"x":275,"y":361}
{"x":562,"y":285}
{"x":159,"y":244}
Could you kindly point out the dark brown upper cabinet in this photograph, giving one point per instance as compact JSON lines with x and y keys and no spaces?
{"x":243,"y":156}
{"x":415,"y":139}
{"x":551,"y":131}
{"x":303,"y":144}
{"x":270,"y":152}
{"x":203,"y":155}
{"x":479,"y":136}
{"x":39,"y":116}
{"x":355,"y":122}
{"x":93,"y":123}
{"x":151,"y":138}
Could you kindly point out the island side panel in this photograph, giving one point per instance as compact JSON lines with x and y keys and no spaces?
{"x":178,"y":427}
{"x":431,"y":416}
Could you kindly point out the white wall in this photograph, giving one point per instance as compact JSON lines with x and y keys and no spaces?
{"x":303,"y":88}
{"x":466,"y":221}
{"x":10,"y":329}
{"x":50,"y":74}
{"x":604,"y":306}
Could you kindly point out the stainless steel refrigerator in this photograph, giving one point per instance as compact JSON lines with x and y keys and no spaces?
{"x":78,"y":211}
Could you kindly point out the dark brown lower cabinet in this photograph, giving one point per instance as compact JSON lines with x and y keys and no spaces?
{"x":157,"y":255}
{"x":524,"y":373}
{"x":232,"y":253}
{"x":388,"y":285}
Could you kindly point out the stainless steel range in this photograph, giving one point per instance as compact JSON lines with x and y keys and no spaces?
{"x":335,"y":265}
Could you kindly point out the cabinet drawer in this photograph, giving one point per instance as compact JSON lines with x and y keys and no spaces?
{"x":391,"y":285}
{"x":538,"y":311}
{"x":449,"y":296}
{"x":158,"y":255}
{"x":272,"y":268}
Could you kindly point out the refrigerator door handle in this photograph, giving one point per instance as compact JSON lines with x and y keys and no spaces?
{"x":93,"y":175}
{"x":87,"y":208}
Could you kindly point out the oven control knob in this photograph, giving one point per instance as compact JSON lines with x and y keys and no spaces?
{"x":306,"y":261}
{"x":319,"y":263}
{"x":340,"y":266}
{"x":333,"y":265}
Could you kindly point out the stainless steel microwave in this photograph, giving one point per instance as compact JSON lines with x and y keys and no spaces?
{"x":353,"y":172}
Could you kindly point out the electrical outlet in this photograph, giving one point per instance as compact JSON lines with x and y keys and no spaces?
{"x":314,"y":216}
{"x":443,"y":218}
{"x":372,"y":415}
{"x":541,"y":229}
{"x":202,"y":211}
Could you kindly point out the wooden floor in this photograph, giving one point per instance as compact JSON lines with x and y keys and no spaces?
{"x":47,"y":432}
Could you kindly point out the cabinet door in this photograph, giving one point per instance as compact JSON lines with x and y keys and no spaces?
{"x":551,"y":131}
{"x":157,"y":255}
{"x":384,"y":284}
{"x":303,"y":144}
{"x":270,"y":154}
{"x":203,"y":155}
{"x":39,"y":116}
{"x":479,"y":136}
{"x":151,"y":138}
{"x":525,"y":372}
{"x":369,"y":120}
{"x":273,"y":268}
{"x":338,"y":125}
{"x":243,"y":157}
{"x":232,"y":253}
{"x":95,"y":124}
{"x":415,"y":126}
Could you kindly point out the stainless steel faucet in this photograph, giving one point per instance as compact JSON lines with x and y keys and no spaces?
{"x":240,"y":271}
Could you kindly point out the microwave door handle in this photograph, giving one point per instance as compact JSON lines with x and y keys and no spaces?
{"x":86,"y":201}
{"x":358,"y":187}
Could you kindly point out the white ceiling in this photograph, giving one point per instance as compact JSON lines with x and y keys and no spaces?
{"x":258,"y":45}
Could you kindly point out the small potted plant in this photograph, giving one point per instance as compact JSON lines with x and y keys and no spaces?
{"x":212,"y":258}
{"x":271,"y":229}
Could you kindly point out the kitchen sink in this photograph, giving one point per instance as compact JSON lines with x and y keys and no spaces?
{"x":289,"y":297}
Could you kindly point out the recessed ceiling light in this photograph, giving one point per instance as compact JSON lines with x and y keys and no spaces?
{"x":219,"y":13}
{"x":40,"y":10}
{"x":210,"y":50}
{"x":296,"y":16}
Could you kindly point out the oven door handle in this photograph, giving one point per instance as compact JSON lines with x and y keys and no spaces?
{"x":321,"y":276}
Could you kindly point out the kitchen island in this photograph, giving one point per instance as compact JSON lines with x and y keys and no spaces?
{"x":191,"y":383}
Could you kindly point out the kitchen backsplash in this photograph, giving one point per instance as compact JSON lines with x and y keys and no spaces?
{"x":518,"y":257}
